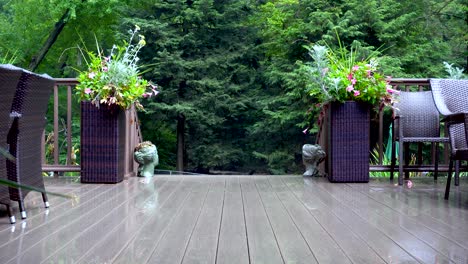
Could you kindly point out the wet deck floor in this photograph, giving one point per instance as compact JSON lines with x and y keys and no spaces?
{"x":240,"y":219}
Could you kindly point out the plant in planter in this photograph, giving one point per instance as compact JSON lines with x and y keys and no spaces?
{"x":347,"y":87}
{"x":115,"y":79}
{"x":110,"y":86}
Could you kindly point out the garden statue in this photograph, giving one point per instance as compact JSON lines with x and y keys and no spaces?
{"x":312,"y":155}
{"x":146,"y":155}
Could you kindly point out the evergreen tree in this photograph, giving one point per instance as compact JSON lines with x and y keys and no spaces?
{"x":202,"y":59}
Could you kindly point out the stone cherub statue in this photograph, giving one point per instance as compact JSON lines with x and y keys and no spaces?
{"x":312,"y":155}
{"x":146,"y":155}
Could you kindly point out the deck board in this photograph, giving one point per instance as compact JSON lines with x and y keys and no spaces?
{"x":263,"y":246}
{"x":291,"y":242}
{"x":176,"y":237}
{"x":325,"y":249}
{"x":53,"y":230}
{"x":435,"y":222}
{"x":203,"y":243}
{"x":367,"y":209}
{"x":232,"y":245}
{"x":140,"y":248}
{"x":240,"y":219}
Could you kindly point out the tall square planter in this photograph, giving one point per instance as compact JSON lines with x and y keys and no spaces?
{"x":102,"y":144}
{"x":348,"y":142}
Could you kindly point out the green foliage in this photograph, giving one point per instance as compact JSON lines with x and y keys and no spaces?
{"x":454,"y":72}
{"x":232,"y":68}
{"x":339,"y":76}
{"x":115,"y":79}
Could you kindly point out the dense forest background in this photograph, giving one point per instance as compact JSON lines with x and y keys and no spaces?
{"x":232,"y":92}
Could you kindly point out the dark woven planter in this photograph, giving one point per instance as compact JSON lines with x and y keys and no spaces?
{"x":102,"y":144}
{"x":348,"y":142}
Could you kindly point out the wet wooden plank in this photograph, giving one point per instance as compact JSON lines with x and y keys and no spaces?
{"x":129,"y":229}
{"x":178,"y":232}
{"x":339,"y":223}
{"x":448,"y":248}
{"x":232,"y":246}
{"x":39,"y":216}
{"x":203,"y":244}
{"x":395,"y":199}
{"x":292,"y":244}
{"x":360,"y":212}
{"x":350,"y":240}
{"x":322,"y":244}
{"x":140,"y":247}
{"x":40,"y":245}
{"x":131,"y":217}
{"x":35,"y":206}
{"x":263,"y":247}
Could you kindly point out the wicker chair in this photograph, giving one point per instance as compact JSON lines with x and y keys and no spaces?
{"x":9,"y":77}
{"x":416,"y":120}
{"x":28,"y":109}
{"x":451,"y":99}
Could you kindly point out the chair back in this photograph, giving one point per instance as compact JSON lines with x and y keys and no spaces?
{"x":418,"y":115}
{"x":450,"y":96}
{"x":30,"y":102}
{"x":9,"y":77}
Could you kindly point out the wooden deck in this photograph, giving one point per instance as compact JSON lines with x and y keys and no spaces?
{"x":240,"y":219}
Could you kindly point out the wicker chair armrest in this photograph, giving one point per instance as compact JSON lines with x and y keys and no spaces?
{"x":456,"y":118}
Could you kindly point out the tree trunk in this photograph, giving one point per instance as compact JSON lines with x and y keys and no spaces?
{"x":180,"y":142}
{"x":36,"y":60}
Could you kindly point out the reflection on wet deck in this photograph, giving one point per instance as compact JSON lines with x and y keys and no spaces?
{"x":240,"y":219}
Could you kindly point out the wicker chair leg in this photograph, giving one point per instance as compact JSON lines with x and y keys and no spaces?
{"x":22,"y":210}
{"x":457,"y":172}
{"x":449,"y":180}
{"x":407,"y":158}
{"x":46,"y":201}
{"x":10,"y":214}
{"x":393,"y":158}
{"x":400,"y":166}
{"x":436,"y":162}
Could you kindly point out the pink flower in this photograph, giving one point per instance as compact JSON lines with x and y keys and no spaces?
{"x":91,"y":75}
{"x":107,"y":58}
{"x":305,"y":130}
{"x":369,"y":73}
{"x":357,"y":93}
{"x":87,"y":90}
{"x":350,"y":76}
{"x":392,"y":91}
{"x":353,"y":81}
{"x":105,"y":69}
{"x":146,"y":95}
{"x":409,"y":184}
{"x":349,"y":88}
{"x":355,"y":67}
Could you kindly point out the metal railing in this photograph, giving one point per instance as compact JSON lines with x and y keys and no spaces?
{"x":133,"y":133}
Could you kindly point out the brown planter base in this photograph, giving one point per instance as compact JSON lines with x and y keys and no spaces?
{"x":102,"y":144}
{"x":348,"y":142}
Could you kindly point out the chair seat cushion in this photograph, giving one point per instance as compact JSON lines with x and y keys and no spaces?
{"x":425,"y":139}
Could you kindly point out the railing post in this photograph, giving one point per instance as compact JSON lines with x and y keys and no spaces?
{"x":56,"y":129}
{"x":69,"y":125}
{"x":380,"y":143}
